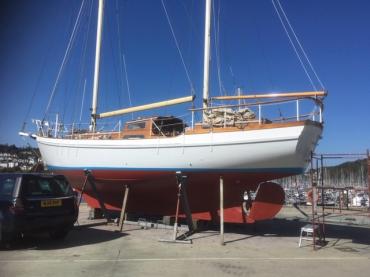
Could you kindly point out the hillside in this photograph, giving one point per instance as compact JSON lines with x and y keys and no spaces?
{"x":347,"y":174}
{"x":13,"y":158}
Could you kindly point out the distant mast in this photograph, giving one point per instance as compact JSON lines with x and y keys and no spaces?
{"x":97,"y":65}
{"x":207,"y":42}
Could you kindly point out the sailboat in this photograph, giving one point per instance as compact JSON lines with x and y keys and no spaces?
{"x":235,"y":142}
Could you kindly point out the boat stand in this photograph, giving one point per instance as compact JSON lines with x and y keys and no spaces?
{"x":90,"y":178}
{"x":222,"y":239}
{"x":123,"y":210}
{"x":181,"y":196}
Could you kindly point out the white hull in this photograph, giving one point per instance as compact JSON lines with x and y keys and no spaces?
{"x":276,"y":149}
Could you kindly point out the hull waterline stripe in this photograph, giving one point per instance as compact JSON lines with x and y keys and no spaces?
{"x":195,"y":170}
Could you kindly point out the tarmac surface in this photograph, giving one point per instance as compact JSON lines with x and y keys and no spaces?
{"x":267,"y":249}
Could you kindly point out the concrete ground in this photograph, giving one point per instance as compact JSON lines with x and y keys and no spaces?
{"x":269,"y":249}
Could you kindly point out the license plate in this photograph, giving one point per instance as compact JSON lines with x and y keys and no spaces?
{"x":51,"y":203}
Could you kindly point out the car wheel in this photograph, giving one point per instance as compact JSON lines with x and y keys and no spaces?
{"x":7,"y":238}
{"x":59,"y":234}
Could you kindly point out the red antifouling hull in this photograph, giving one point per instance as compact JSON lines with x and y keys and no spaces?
{"x":268,"y":202}
{"x":156,"y":194}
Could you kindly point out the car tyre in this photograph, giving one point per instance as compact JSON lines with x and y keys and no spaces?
{"x":59,"y":234}
{"x":8,"y":238}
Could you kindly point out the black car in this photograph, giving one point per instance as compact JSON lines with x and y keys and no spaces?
{"x":36,"y":202}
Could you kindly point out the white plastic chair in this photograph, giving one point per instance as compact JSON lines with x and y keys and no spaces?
{"x":308,"y":231}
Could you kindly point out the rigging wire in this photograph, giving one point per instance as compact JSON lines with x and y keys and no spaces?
{"x":66,"y":54}
{"x":83,"y":68}
{"x":233,"y":77}
{"x":293,"y":45}
{"x":119,"y":48}
{"x":300,"y":45}
{"x":70,"y":85}
{"x":127,"y":82}
{"x":194,"y":27}
{"x":193,"y":30}
{"x":178,"y":48}
{"x":35,"y":90}
{"x":216,"y":29}
{"x":75,"y":85}
{"x":117,"y":69}
{"x":124,"y":67}
{"x":82,"y":102}
{"x":263,"y":51}
{"x":192,"y":34}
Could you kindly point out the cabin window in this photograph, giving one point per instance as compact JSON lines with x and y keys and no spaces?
{"x":168,"y":126}
{"x":136,"y":125}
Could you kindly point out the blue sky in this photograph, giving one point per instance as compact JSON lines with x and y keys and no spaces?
{"x":253,"y":46}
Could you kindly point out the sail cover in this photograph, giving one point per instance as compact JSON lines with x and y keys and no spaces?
{"x":228,"y":117}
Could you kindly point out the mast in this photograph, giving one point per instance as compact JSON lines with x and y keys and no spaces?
{"x":97,"y":65}
{"x":207,"y":42}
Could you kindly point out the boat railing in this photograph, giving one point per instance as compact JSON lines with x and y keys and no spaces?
{"x":300,"y":108}
{"x":56,"y":129}
{"x":259,"y":112}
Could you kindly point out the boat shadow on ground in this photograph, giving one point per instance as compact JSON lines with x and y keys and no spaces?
{"x":291,"y":228}
{"x":79,"y":236}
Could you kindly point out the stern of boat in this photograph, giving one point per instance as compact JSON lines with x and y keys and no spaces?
{"x":308,"y":140}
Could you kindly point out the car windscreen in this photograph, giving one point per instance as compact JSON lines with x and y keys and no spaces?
{"x":7,"y":184}
{"x":39,"y":186}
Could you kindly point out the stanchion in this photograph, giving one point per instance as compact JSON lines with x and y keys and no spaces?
{"x":222,"y":242}
{"x":181,"y":194}
{"x":91,"y":180}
